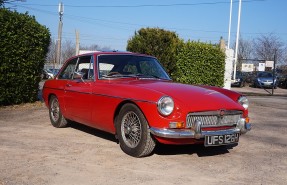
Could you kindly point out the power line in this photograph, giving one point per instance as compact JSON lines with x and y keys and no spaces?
{"x":147,"y":5}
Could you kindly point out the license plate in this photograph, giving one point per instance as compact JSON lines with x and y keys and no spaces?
{"x":267,"y":83}
{"x":221,"y":139}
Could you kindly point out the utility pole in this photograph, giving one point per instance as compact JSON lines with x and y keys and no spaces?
{"x":237,"y":39}
{"x":59,"y":40}
{"x":229,"y":26}
{"x":77,"y":42}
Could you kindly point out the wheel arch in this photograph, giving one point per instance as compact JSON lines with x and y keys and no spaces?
{"x":119,"y":107}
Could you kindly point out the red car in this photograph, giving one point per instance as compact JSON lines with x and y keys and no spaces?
{"x":130,"y":95}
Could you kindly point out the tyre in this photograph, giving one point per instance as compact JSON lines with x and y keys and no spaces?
{"x":56,"y":117}
{"x":133,"y":133}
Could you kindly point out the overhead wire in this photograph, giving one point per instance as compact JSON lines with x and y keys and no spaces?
{"x":110,"y":24}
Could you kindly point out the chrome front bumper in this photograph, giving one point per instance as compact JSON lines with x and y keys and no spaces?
{"x":196,"y":132}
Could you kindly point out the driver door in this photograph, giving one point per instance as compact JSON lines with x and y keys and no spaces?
{"x":78,"y":90}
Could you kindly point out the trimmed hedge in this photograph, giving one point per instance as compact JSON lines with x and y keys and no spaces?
{"x":23,"y":48}
{"x":200,"y":63}
{"x":157,"y":42}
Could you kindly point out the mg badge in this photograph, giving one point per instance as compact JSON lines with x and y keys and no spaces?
{"x":221,"y":113}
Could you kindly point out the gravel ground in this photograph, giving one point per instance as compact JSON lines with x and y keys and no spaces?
{"x":34,"y":152}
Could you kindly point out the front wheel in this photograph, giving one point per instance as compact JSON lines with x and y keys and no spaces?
{"x":133,"y":132}
{"x":56,"y":117}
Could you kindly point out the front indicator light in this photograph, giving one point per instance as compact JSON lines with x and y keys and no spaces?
{"x":247,"y":120}
{"x":176,"y":125}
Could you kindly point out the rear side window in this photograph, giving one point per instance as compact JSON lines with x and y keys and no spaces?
{"x":83,"y":64}
{"x":86,"y":67}
{"x":68,"y":72}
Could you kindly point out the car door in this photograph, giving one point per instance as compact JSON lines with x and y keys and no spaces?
{"x":78,"y":91}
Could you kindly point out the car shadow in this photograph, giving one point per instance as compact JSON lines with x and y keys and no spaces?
{"x":93,"y":131}
{"x":199,"y":150}
{"x":160,"y":149}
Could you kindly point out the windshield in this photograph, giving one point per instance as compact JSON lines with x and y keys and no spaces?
{"x":120,"y":66}
{"x":265,"y":75}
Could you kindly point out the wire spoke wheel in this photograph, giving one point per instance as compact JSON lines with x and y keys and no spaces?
{"x":55,"y":110}
{"x":56,"y":117}
{"x":131,"y":129}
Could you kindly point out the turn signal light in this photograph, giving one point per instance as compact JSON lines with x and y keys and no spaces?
{"x":247,"y":119}
{"x":176,"y":125}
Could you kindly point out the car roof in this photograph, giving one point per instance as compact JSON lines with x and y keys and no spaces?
{"x":112,"y":52}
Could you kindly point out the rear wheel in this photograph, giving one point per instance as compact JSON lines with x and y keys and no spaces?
{"x":56,"y":117}
{"x":133,"y":132}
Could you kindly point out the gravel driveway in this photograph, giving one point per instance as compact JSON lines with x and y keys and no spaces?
{"x":34,"y":152}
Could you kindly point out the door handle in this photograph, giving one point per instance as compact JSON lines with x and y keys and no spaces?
{"x":68,"y":85}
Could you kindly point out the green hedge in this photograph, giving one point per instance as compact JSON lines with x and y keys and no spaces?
{"x":23,"y":48}
{"x":157,"y":42}
{"x":200,"y":63}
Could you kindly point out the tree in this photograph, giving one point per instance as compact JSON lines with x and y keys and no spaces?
{"x":2,"y":2}
{"x":159,"y":43}
{"x":245,"y":51}
{"x":23,"y":48}
{"x":51,"y":56}
{"x":94,"y":47}
{"x":265,"y":47}
{"x":68,"y":50}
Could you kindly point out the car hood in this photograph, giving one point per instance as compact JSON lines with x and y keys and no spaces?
{"x":192,"y":96}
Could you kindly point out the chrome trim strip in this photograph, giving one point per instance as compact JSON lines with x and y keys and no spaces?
{"x":188,"y":133}
{"x":215,"y":113}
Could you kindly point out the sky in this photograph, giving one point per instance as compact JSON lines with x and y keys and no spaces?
{"x":110,"y":23}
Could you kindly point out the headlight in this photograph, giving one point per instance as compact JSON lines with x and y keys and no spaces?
{"x":243,"y":101}
{"x":165,"y":105}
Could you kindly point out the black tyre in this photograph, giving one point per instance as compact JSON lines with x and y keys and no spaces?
{"x":56,"y":117}
{"x":133,"y":132}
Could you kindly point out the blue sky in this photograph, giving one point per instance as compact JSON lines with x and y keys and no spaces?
{"x":110,"y":23}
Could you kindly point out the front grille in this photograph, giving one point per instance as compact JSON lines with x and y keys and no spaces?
{"x":214,"y":118}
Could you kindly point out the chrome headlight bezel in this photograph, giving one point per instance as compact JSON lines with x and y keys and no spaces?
{"x":242,"y":100}
{"x":165,"y":105}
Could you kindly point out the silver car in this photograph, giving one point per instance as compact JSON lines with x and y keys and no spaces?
{"x":265,"y":79}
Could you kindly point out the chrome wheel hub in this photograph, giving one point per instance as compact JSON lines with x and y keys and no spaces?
{"x":131,"y":129}
{"x":55,"y":110}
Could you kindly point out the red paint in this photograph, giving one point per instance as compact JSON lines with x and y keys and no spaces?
{"x":95,"y":102}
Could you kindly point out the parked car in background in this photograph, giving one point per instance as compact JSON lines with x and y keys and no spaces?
{"x":265,"y":79}
{"x":49,"y":73}
{"x":54,"y":72}
{"x":239,"y":79}
{"x":131,"y":96}
{"x":44,"y":74}
{"x":282,"y":81}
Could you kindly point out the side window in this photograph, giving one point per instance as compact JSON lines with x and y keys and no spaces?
{"x":86,"y":67}
{"x":68,"y":72}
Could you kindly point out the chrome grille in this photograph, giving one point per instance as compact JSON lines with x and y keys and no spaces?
{"x":214,"y":118}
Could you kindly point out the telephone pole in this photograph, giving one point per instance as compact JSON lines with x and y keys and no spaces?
{"x":77,"y":42}
{"x":59,"y":40}
{"x":237,"y":40}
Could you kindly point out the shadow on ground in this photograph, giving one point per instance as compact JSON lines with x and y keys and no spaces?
{"x":161,"y":149}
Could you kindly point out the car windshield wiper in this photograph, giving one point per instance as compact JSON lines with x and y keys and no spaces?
{"x":139,"y":75}
{"x":146,"y":76}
